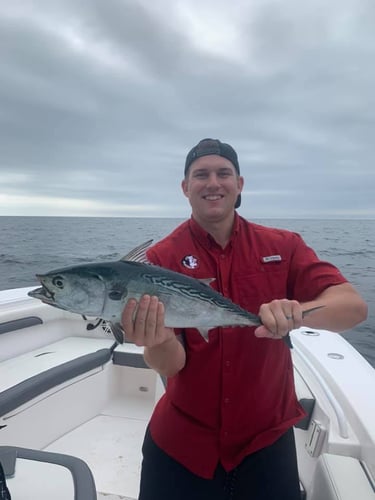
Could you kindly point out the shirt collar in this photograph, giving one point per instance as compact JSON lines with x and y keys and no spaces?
{"x":205,"y":239}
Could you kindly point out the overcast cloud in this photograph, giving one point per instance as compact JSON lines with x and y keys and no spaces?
{"x":100,"y":100}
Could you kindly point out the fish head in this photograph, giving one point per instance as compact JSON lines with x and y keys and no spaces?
{"x":77,"y":290}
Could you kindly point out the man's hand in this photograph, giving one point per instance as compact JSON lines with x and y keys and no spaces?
{"x":143,"y":322}
{"x":278,"y":318}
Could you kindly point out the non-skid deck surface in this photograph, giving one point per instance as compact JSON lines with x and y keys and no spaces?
{"x":111,"y":445}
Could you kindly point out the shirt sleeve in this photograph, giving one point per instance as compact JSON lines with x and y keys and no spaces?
{"x":308,"y":275}
{"x":152,"y":257}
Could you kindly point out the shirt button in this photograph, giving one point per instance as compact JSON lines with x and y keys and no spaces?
{"x":227,"y":364}
{"x":222,"y":256}
{"x":226,"y":401}
{"x":225,"y":434}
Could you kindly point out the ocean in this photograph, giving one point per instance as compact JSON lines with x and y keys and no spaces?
{"x":30,"y":245}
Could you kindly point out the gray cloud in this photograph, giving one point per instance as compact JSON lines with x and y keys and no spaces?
{"x":100,"y":101}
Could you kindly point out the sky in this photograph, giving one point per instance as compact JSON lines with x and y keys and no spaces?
{"x":100,"y":101}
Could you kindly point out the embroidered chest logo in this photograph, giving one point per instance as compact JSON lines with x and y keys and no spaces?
{"x":190,"y":262}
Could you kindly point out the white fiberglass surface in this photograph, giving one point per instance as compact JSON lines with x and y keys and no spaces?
{"x":25,"y":484}
{"x":110,"y":444}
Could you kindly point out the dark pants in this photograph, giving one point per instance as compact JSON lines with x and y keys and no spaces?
{"x":4,"y":492}
{"x":268,"y":474}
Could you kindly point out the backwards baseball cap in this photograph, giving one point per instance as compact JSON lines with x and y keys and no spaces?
{"x":213,"y":147}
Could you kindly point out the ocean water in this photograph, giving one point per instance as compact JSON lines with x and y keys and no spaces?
{"x":30,"y":245}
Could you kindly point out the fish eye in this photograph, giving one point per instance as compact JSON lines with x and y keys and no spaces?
{"x":58,"y":281}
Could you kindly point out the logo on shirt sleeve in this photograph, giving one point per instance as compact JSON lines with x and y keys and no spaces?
{"x":190,"y":262}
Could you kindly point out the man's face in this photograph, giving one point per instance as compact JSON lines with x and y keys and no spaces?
{"x":212,"y":187}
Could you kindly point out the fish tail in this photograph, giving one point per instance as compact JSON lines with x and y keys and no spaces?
{"x":312,"y":309}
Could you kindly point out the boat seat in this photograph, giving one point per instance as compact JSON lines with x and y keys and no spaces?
{"x":340,"y":478}
{"x":24,"y":377}
{"x":26,"y":469}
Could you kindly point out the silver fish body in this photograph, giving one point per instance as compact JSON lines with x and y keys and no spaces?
{"x":102,"y":290}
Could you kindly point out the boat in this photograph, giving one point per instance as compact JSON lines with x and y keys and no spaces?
{"x":74,"y":406}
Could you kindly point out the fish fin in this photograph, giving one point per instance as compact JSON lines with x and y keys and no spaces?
{"x":206,"y":281}
{"x":204,"y":333}
{"x":118,"y":332}
{"x":308,"y":311}
{"x":138,"y":254}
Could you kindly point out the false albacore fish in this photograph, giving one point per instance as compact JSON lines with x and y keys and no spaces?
{"x":102,"y":290}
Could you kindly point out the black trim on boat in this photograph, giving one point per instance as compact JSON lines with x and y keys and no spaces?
{"x":18,"y":324}
{"x":84,"y":484}
{"x":34,"y":386}
{"x":308,"y":405}
{"x":132,"y":359}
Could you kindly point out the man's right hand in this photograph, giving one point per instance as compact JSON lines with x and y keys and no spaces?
{"x":143,"y":322}
{"x":144,"y":325}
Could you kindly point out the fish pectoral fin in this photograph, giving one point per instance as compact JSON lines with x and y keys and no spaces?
{"x":138,"y":254}
{"x":204,"y":333}
{"x":206,"y":281}
{"x":118,"y":332}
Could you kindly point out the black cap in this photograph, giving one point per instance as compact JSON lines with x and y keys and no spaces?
{"x":213,"y":147}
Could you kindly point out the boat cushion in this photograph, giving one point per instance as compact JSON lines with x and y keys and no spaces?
{"x":18,"y":324}
{"x":128,"y":354}
{"x":28,"y":375}
{"x":340,"y":478}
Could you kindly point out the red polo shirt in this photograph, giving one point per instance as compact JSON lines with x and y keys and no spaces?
{"x":235,"y":394}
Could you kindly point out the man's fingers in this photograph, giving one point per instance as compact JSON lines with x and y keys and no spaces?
{"x":294,"y":314}
{"x":127,"y":318}
{"x":274,"y":319}
{"x":149,"y":327}
{"x":278,"y":318}
{"x":142,"y":310}
{"x":159,"y":327}
{"x":143,"y":322}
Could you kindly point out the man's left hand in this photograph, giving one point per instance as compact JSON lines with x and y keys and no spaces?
{"x":278,"y":318}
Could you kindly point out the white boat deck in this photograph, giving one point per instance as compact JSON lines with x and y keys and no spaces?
{"x":114,"y":456}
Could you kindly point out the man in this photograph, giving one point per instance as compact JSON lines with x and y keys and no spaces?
{"x":4,"y":492}
{"x":224,"y":428}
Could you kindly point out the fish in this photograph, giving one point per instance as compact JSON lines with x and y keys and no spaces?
{"x":102,"y":289}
